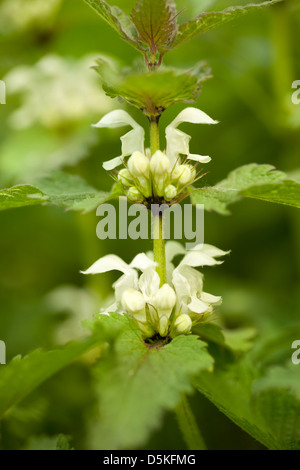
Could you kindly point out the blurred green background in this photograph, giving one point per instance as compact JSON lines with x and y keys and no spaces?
{"x":53,"y":97}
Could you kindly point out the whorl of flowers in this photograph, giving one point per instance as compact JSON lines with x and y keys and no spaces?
{"x":163,"y":177}
{"x":167,"y":310}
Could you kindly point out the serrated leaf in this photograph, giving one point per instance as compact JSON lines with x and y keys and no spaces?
{"x":255,"y":181}
{"x":276,"y":398}
{"x":229,"y":389}
{"x":210,"y":20}
{"x":18,"y":196}
{"x":22,"y":376}
{"x":155,"y":21}
{"x":60,"y":189}
{"x":138,"y":382}
{"x":153,"y":92}
{"x":118,"y":20}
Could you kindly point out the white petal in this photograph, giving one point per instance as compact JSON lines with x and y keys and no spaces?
{"x":117,"y":118}
{"x":107,"y":263}
{"x":210,"y":250}
{"x":149,"y":283}
{"x":111,"y":164}
{"x":128,"y":281}
{"x":187,"y":281}
{"x":178,"y":141}
{"x":199,"y":158}
{"x":197,"y":306}
{"x":197,"y":258}
{"x":142,"y":262}
{"x":210,"y":299}
{"x":181,"y":285}
{"x":194,"y":116}
{"x":133,"y":141}
{"x":173,"y":249}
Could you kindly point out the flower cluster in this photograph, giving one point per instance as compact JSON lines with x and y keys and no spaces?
{"x":164,"y":176}
{"x":56,"y":92}
{"x":164,"y":310}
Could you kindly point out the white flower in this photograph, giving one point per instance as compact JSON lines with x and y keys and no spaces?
{"x":188,"y":282}
{"x":154,"y":306}
{"x":132,"y":142}
{"x":130,"y":277}
{"x":177,"y":141}
{"x":55,"y":92}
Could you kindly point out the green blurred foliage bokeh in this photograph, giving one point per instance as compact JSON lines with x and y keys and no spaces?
{"x":53,"y":97}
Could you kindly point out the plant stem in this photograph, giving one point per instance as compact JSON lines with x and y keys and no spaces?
{"x":159,"y":248}
{"x":188,"y":426}
{"x":158,"y":236}
{"x":154,"y":135}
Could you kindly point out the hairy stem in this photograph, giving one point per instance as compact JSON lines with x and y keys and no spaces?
{"x":188,"y":426}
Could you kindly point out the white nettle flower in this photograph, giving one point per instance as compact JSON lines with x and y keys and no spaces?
{"x":152,"y":305}
{"x":132,"y":142}
{"x":188,"y":282}
{"x":177,"y":141}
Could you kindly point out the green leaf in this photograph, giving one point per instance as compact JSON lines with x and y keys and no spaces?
{"x":254,"y":181}
{"x":138,"y":382}
{"x":18,"y":196}
{"x":22,"y":376}
{"x":276,"y":398}
{"x":287,"y":193}
{"x":59,"y":189}
{"x":118,"y":20}
{"x":208,"y":21}
{"x":152,"y":92}
{"x":239,"y":340}
{"x":155,"y":21}
{"x":229,"y":389}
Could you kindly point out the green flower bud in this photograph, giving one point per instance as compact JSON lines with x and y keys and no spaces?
{"x":125,"y":177}
{"x":134,"y":195}
{"x":163,"y":326}
{"x":183,"y":174}
{"x":183,"y":324}
{"x":170,"y":192}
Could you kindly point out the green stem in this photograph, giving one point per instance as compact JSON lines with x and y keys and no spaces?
{"x":188,"y":426}
{"x":154,"y":135}
{"x":158,"y":236}
{"x":159,"y":248}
